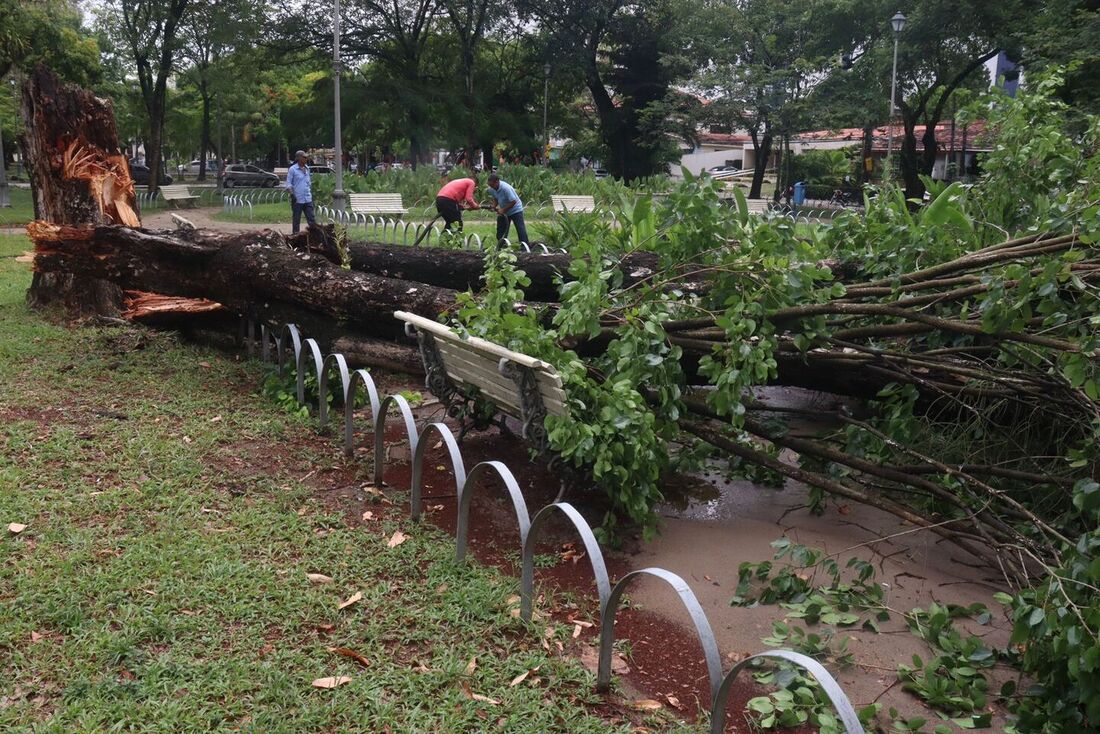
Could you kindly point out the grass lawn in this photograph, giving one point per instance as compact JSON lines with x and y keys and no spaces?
{"x":160,"y":583}
{"x":21,"y":210}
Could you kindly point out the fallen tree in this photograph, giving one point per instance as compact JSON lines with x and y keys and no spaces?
{"x":978,"y":372}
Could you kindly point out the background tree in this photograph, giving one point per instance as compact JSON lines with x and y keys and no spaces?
{"x":631,"y":57}
{"x":150,"y":31}
{"x":1065,"y":33}
{"x":944,"y":47}
{"x":766,"y":59}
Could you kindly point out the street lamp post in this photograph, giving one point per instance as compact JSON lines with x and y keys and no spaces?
{"x":898,"y":23}
{"x":338,"y":192}
{"x":545,"y":129}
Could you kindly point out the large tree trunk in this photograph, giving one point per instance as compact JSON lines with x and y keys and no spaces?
{"x":79,"y":175}
{"x":252,"y":272}
{"x":463,"y":269}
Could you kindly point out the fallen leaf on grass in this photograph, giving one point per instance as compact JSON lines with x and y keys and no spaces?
{"x":204,"y":364}
{"x":396,"y":539}
{"x":318,"y":578}
{"x":673,"y":701}
{"x":351,"y":654}
{"x":35,"y":637}
{"x":477,"y":696}
{"x":16,"y":527}
{"x":368,"y":515}
{"x":350,"y":600}
{"x":577,"y":631}
{"x":646,"y":704}
{"x":471,"y":666}
{"x":332,"y":682}
{"x":523,"y":676}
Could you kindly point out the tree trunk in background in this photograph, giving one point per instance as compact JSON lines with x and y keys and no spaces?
{"x":205,"y":144}
{"x":63,"y":123}
{"x":763,"y":155}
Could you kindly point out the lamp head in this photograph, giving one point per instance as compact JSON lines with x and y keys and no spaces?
{"x":898,"y":22}
{"x":546,"y":69}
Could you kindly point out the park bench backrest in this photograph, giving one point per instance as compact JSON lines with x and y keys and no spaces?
{"x":569,"y":204}
{"x":520,"y":386}
{"x":377,"y":203}
{"x":171,"y":193}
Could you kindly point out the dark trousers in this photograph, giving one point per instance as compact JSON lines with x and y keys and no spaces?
{"x":505,"y":221}
{"x":448,"y":209}
{"x":297,"y":209}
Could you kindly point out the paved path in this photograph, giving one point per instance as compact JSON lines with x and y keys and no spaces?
{"x":203,"y":218}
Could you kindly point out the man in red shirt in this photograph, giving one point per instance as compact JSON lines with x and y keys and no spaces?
{"x":453,"y":198}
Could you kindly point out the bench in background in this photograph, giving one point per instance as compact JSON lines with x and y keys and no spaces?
{"x":381,"y":204}
{"x":573,"y":204}
{"x":178,"y":193}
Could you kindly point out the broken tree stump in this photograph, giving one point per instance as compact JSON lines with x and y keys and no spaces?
{"x":79,"y":175}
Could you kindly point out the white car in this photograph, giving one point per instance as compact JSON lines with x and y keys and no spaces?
{"x":724,"y":169}
{"x":211,"y":167}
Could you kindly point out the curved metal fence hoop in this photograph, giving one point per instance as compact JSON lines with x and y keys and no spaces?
{"x":318,"y":364}
{"x":291,"y":331}
{"x":322,"y":386}
{"x":833,"y":691}
{"x":358,"y":377}
{"x":504,"y":243}
{"x":690,"y":602}
{"x":465,"y":497}
{"x":457,"y":465}
{"x":405,"y":232}
{"x":380,"y":431}
{"x":475,"y":237}
{"x":591,"y":546}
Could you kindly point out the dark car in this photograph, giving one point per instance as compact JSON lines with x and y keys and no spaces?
{"x":323,"y":170}
{"x":240,"y":174}
{"x":140,"y":175}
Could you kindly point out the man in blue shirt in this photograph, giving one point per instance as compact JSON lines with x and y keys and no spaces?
{"x":301,"y":195}
{"x":509,"y":208}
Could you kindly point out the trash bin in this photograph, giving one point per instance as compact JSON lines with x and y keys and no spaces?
{"x":799,"y":197}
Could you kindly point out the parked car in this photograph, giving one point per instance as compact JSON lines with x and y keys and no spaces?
{"x":724,"y":169}
{"x":600,"y":172}
{"x":324,"y":170}
{"x":211,"y":167}
{"x":140,"y":174}
{"x":248,"y":175}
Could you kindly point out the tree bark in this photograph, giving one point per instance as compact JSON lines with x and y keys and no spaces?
{"x":79,"y":175}
{"x":463,"y":269}
{"x":763,"y":154}
{"x":253,"y":272}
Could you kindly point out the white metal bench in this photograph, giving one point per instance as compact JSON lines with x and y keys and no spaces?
{"x":520,"y":386}
{"x":573,"y":204}
{"x":383,"y":204}
{"x":178,"y":193}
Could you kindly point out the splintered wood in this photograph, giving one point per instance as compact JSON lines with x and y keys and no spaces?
{"x":139,"y":304}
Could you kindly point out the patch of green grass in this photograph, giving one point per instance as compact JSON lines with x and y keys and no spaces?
{"x":21,"y":210}
{"x":160,"y":583}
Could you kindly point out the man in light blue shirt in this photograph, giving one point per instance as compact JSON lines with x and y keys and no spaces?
{"x":301,"y":195}
{"x":509,"y":209}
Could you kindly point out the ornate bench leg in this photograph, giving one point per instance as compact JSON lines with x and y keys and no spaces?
{"x":532,"y":409}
